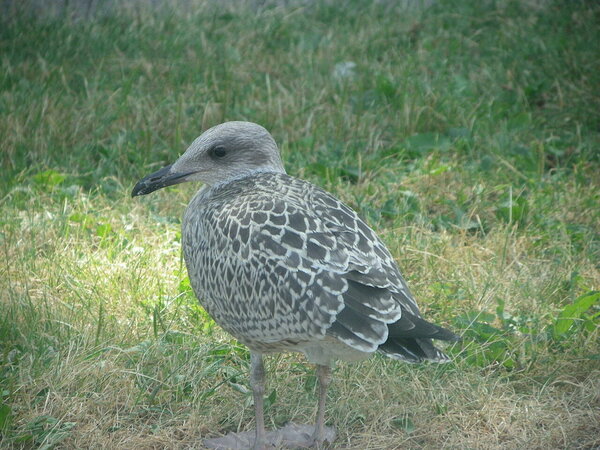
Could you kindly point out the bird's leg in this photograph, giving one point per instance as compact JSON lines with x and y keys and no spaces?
{"x":290,"y":436}
{"x":324,"y":376}
{"x":257,"y":381}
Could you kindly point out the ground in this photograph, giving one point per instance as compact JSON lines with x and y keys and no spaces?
{"x":466,"y":134}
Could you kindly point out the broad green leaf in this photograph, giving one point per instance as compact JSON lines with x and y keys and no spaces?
{"x":573,"y":312}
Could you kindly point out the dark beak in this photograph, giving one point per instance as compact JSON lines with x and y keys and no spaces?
{"x":159,"y":179}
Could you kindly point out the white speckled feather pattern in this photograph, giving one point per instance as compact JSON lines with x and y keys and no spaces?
{"x":283,"y":265}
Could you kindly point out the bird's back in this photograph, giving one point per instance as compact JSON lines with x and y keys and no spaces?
{"x":283,"y":265}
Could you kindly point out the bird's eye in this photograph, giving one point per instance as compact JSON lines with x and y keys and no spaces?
{"x":218,"y":152}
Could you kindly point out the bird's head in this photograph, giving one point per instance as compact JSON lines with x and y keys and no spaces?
{"x":221,"y":154}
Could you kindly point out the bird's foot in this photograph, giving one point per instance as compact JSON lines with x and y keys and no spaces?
{"x":290,"y":436}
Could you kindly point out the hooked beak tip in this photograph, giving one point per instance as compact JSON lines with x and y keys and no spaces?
{"x":161,"y":178}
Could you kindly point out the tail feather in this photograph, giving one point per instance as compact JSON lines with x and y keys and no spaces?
{"x":410,"y":339}
{"x":411,"y":326}
{"x":413,"y":350}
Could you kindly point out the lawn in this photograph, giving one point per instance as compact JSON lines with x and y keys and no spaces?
{"x":466,"y":133}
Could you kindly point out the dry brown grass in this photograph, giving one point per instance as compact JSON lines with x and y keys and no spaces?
{"x":453,"y":113}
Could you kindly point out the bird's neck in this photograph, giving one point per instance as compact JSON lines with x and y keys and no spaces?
{"x":247,"y":174}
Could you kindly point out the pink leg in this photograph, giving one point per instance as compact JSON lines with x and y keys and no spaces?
{"x":257,"y":381}
{"x":324,"y":376}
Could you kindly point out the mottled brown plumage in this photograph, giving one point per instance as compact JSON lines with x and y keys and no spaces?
{"x":283,"y":265}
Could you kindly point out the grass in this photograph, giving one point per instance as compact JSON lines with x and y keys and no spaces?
{"x":467,"y":135}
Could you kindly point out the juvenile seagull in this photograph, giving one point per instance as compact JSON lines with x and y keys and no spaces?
{"x":283,"y":265}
